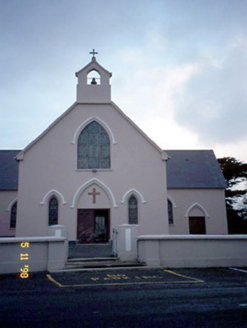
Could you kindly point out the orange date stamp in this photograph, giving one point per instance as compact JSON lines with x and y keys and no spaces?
{"x":24,"y":257}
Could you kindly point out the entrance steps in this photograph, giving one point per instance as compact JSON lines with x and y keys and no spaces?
{"x":96,"y":250}
{"x":99,"y":263}
{"x":82,"y":257}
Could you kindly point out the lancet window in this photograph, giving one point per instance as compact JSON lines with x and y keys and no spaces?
{"x":170,"y":212}
{"x":93,"y":150}
{"x":133,"y":210}
{"x":13,"y":215}
{"x":53,"y":211}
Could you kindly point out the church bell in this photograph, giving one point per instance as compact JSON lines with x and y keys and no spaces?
{"x":93,"y":81}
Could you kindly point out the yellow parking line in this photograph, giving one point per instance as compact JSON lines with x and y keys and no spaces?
{"x":183,"y":276}
{"x":191,"y":280}
{"x":125,"y":283}
{"x":240,"y":270}
{"x":53,"y":280}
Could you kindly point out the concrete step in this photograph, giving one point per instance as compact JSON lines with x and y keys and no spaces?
{"x":92,"y":259}
{"x":90,"y":250}
{"x":100,"y":263}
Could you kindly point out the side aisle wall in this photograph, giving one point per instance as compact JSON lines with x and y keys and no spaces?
{"x":7,"y":199}
{"x":209,"y":203}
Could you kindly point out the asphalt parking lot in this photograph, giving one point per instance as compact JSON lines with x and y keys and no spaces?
{"x":121,"y":278}
{"x":126,"y":298}
{"x":209,"y":277}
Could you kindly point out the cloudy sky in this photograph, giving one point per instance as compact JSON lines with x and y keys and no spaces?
{"x":179,"y":67}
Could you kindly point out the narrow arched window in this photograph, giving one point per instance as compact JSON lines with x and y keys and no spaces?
{"x":170,"y":211}
{"x":13,"y":215}
{"x":133,"y":210}
{"x":53,"y":211}
{"x":93,"y":149}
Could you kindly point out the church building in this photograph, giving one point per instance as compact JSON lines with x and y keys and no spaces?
{"x":94,"y":169}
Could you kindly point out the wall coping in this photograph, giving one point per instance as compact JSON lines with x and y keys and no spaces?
{"x":13,"y":240}
{"x":192,"y":237}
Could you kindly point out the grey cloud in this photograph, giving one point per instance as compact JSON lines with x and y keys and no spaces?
{"x":214,"y":102}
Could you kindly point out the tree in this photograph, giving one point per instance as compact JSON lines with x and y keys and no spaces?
{"x":235,"y":173}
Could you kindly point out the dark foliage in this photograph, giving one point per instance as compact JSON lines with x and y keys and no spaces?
{"x":235,"y":173}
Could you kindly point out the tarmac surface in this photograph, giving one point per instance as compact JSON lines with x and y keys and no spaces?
{"x":126,"y":298}
{"x":90,"y":278}
{"x":120,"y":277}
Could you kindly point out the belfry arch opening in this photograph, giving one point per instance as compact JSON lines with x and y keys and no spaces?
{"x":93,"y":78}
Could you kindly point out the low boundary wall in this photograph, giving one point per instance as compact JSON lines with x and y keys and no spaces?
{"x":32,"y":254}
{"x":180,"y":251}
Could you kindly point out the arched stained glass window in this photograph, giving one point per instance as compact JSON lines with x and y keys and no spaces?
{"x":53,"y":211}
{"x":13,"y":215}
{"x":133,"y":210}
{"x":170,"y":211}
{"x":93,"y":148}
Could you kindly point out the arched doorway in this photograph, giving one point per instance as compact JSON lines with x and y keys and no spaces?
{"x":196,"y":216}
{"x":93,"y":214}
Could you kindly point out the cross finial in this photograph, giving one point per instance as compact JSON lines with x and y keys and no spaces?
{"x":93,"y":53}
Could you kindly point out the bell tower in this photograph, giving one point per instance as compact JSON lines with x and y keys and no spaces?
{"x":93,"y":83}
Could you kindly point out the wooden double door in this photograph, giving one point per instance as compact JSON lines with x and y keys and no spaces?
{"x":93,"y":225}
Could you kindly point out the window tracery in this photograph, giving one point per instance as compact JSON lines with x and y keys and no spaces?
{"x":93,"y":148}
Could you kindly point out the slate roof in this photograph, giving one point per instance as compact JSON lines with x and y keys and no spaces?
{"x":8,"y":170}
{"x":194,"y":169}
{"x":186,"y":169}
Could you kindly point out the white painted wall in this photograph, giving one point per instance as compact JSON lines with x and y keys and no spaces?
{"x":193,"y":251}
{"x":210,"y":200}
{"x":42,"y":254}
{"x":51,"y":164}
{"x":125,"y":245}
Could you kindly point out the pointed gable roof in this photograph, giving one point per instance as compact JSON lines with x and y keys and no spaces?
{"x":164,"y":156}
{"x":93,"y":66}
{"x":8,"y":170}
{"x":194,"y":169}
{"x":186,"y":169}
{"x":82,"y":80}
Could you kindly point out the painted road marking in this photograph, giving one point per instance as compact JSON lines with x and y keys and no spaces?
{"x":126,"y":280}
{"x":53,"y":280}
{"x":183,"y":276}
{"x":240,"y":270}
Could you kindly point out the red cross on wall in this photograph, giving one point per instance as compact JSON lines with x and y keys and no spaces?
{"x":94,"y":194}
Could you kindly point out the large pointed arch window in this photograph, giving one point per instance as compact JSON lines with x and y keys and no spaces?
{"x":53,"y":211}
{"x":133,"y":210}
{"x":93,"y":149}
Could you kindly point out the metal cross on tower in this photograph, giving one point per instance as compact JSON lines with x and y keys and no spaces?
{"x":93,"y":53}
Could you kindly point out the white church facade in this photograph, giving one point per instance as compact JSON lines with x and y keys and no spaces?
{"x":93,"y":169}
